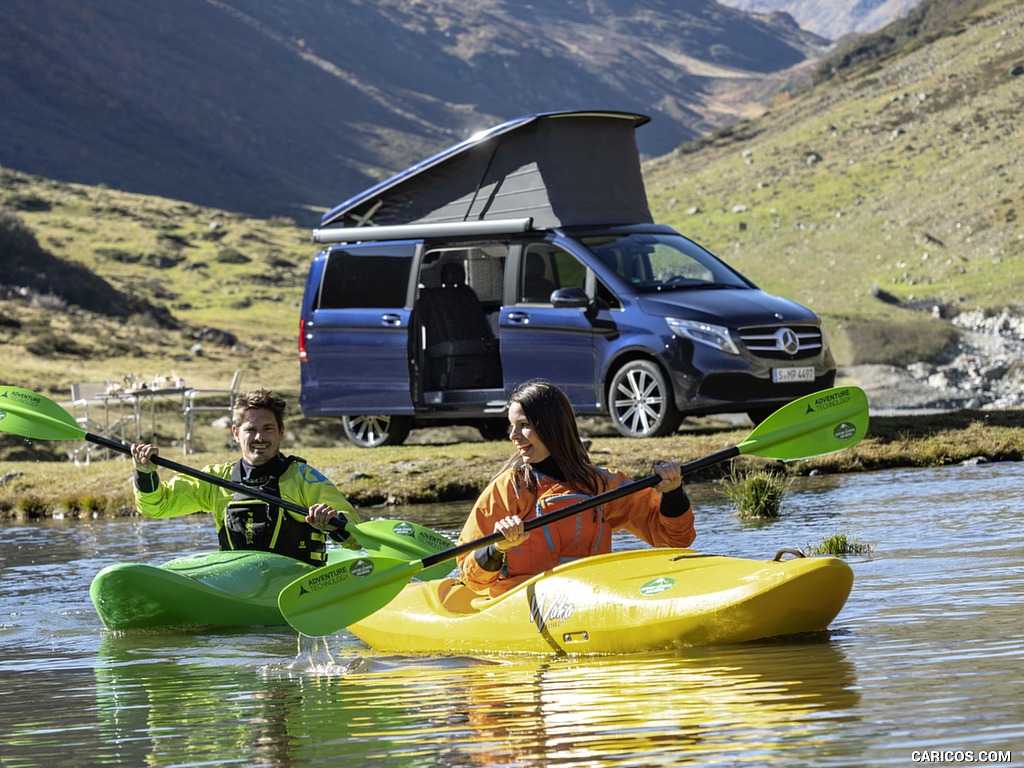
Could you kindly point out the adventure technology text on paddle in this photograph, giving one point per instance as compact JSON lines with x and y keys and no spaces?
{"x":31,"y":415}
{"x":335,"y":596}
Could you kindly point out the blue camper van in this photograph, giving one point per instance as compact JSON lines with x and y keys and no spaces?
{"x":529,"y":251}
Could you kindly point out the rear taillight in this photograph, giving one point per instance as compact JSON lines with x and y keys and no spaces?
{"x":302,"y":340}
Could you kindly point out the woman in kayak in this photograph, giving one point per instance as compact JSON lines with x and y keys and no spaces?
{"x":549,"y":471}
{"x":257,"y":424}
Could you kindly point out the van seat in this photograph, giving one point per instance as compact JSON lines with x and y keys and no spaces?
{"x":460,"y":347}
{"x":536,"y":287}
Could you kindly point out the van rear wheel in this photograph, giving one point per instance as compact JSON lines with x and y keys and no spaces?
{"x":375,"y":431}
{"x":640,"y":401}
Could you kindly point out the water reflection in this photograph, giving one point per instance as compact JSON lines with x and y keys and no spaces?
{"x":157,"y":704}
{"x":645,"y":710}
{"x":174,"y":713}
{"x":677,"y":707}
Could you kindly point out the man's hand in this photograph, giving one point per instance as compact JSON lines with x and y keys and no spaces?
{"x":142,"y":457}
{"x":320,"y":514}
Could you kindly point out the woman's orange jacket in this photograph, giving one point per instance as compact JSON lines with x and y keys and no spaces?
{"x":586,"y":533}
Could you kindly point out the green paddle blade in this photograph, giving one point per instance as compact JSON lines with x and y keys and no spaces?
{"x":404,"y":540}
{"x":310,"y":604}
{"x":820,"y":423}
{"x":23,"y":412}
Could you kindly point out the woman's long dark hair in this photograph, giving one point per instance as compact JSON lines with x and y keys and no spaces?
{"x":551,"y":415}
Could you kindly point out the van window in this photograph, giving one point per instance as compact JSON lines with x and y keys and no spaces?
{"x":662,"y":262}
{"x":546,"y":269}
{"x":482,"y":264}
{"x":366,"y":278}
{"x":667,"y":264}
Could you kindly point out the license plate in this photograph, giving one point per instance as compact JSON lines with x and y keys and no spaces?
{"x":787,"y":375}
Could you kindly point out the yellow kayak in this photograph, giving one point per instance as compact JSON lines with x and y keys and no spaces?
{"x":624,"y":602}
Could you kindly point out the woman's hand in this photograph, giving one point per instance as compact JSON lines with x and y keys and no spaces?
{"x":671,"y":476}
{"x":513,"y":530}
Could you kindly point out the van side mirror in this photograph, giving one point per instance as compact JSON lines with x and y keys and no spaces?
{"x":570,"y":297}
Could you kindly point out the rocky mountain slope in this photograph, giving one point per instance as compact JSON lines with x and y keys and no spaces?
{"x":279,"y":108}
{"x":982,"y":370}
{"x":833,"y":19}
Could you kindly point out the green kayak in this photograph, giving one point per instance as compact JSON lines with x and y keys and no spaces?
{"x":215,"y":589}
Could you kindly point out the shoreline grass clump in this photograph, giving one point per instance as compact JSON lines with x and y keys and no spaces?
{"x":839,"y":544}
{"x":756,"y":494}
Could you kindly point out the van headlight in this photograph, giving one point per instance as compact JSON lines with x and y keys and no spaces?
{"x":714,"y":336}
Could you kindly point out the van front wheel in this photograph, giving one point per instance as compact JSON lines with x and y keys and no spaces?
{"x":640,"y":401}
{"x":375,"y":431}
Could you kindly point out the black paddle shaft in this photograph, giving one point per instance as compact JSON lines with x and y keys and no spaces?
{"x":602,"y":498}
{"x":183,"y":469}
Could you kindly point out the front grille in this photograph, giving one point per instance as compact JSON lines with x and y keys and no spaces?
{"x":767,"y":341}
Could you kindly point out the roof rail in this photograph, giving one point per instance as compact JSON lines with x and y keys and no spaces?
{"x":416,"y":231}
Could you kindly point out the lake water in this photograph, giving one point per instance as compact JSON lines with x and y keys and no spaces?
{"x":925,"y":664}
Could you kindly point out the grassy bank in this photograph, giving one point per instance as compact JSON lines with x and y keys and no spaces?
{"x":453,"y":465}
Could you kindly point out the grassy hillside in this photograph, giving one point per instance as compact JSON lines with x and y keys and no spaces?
{"x":892,"y":187}
{"x":232,"y":284}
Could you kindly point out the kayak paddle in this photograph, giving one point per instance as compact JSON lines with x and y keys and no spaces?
{"x":31,"y":415}
{"x":335,"y":596}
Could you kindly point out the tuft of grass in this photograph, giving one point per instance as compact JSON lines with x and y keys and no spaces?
{"x":757,"y":494}
{"x":839,"y":544}
{"x":33,"y":507}
{"x":93,"y":505}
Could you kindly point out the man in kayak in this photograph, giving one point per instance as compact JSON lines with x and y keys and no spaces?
{"x":257,"y":424}
{"x":549,"y":471}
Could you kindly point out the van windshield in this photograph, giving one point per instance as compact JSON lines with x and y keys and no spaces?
{"x":663,"y":262}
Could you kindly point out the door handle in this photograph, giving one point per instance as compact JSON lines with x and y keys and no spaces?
{"x":519,"y":318}
{"x":391,"y":319}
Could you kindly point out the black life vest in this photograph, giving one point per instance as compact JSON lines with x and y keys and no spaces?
{"x":258,"y":525}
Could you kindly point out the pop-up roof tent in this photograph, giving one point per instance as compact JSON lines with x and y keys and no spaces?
{"x":551,"y":169}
